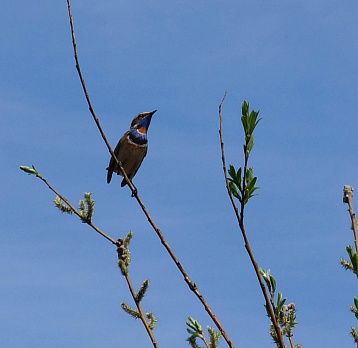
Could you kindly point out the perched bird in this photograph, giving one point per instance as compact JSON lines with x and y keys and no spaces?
{"x":131,"y":148}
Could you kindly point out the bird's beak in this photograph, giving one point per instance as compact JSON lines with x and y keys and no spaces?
{"x":153,"y":112}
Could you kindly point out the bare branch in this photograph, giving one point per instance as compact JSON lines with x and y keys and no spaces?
{"x":347,"y":198}
{"x":91,"y":109}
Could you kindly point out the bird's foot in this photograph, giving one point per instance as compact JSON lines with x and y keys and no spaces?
{"x":135,"y":191}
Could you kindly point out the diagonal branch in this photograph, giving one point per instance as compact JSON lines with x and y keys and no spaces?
{"x":240,"y":217}
{"x":85,"y":91}
{"x":74,"y":210}
{"x":190,"y":283}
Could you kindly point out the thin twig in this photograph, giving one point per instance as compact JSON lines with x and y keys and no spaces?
{"x":224,"y":162}
{"x":347,"y":198}
{"x":292,"y":345}
{"x":205,"y":341}
{"x":240,"y":218}
{"x":85,"y":91}
{"x":74,"y":210}
{"x":190,"y":283}
{"x":141,"y":314}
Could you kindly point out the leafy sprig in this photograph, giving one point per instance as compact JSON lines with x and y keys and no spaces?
{"x":242,"y":182}
{"x":195,"y":330}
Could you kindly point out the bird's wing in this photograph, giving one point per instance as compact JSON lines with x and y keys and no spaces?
{"x":112,"y":167}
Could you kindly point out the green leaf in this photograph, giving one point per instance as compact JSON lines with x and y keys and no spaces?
{"x":273,"y":282}
{"x":31,"y":171}
{"x":355,"y":311}
{"x":244,"y":118}
{"x":249,"y":121}
{"x":251,"y":183}
{"x":239,"y":176}
{"x":232,"y":172}
{"x":267,"y":278}
{"x":354,"y":259}
{"x":280,"y":302}
{"x":235,"y":176}
{"x":253,"y":119}
{"x":356,"y":302}
{"x":250,"y":143}
{"x":234,"y":191}
{"x":194,"y":327}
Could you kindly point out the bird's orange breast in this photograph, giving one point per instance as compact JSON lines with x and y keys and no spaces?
{"x":142,"y":130}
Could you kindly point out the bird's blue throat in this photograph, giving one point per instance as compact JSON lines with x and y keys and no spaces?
{"x":145,"y":122}
{"x":137,"y":137}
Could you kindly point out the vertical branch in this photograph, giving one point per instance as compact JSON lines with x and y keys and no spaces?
{"x":347,"y":198}
{"x":240,"y":218}
{"x":236,"y":210}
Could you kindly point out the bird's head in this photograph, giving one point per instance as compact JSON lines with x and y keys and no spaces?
{"x":142,"y":121}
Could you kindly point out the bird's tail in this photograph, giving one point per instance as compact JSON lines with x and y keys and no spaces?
{"x":109,"y":175}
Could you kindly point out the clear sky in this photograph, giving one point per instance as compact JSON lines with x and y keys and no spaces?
{"x":295,"y":61}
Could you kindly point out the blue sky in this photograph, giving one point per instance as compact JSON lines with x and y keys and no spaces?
{"x":295,"y":61}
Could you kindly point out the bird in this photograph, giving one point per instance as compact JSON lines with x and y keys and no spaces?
{"x":132,"y":147}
